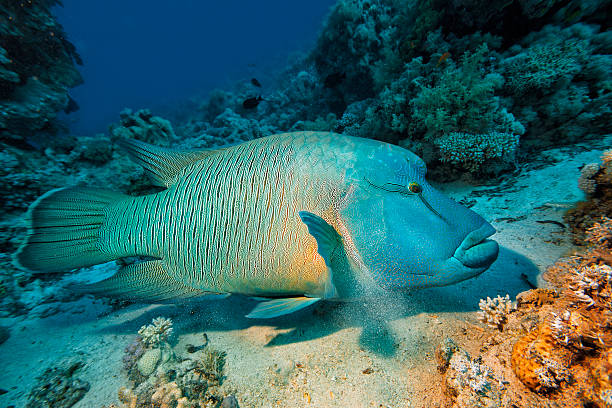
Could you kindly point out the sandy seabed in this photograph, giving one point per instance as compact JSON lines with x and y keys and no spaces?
{"x":374,"y":353}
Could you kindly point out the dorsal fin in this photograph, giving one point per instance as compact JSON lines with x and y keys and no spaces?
{"x":161,"y":164}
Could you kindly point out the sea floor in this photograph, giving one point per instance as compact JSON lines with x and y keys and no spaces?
{"x":375,"y":353}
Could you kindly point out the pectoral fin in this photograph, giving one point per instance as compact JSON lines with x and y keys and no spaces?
{"x":328,"y":241}
{"x":279,"y":307}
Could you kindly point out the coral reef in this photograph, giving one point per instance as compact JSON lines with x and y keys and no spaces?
{"x":37,"y":67}
{"x":458,"y":89}
{"x":494,"y":312}
{"x":418,"y":71}
{"x":577,"y":333}
{"x":57,"y":387}
{"x":160,"y":376}
{"x":556,"y":344}
{"x":596,"y":182}
{"x":472,"y":151}
{"x":142,"y":125}
{"x":536,"y":362}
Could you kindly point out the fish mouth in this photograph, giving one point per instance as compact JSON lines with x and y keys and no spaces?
{"x":476,"y":251}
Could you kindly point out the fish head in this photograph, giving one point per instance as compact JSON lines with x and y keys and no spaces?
{"x":405,"y":232}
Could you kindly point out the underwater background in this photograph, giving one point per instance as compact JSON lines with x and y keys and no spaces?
{"x":507,"y":101}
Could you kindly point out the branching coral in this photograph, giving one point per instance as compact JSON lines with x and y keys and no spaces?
{"x":472,"y":151}
{"x":472,"y":383}
{"x":471,"y":373}
{"x":591,"y":285}
{"x":211,"y":365}
{"x":494,"y":312}
{"x":578,"y":330}
{"x":600,"y":234}
{"x":132,"y":353}
{"x":153,"y":335}
{"x":544,"y":66}
{"x":463,"y":100}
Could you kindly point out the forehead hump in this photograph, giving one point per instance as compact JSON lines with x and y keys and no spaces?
{"x":393,"y":159}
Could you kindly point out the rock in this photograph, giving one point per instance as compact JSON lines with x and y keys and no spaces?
{"x":5,"y":333}
{"x":148,"y":362}
{"x":96,"y":150}
{"x":229,"y":402}
{"x":142,"y":125}
{"x":58,"y":388}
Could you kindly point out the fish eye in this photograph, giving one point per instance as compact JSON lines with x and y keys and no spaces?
{"x":414,"y":187}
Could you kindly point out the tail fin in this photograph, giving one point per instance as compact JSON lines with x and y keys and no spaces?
{"x":63,"y":230}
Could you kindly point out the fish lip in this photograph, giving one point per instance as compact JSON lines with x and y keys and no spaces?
{"x":477,"y":238}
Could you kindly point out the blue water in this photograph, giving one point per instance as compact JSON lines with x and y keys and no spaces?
{"x":145,"y":54}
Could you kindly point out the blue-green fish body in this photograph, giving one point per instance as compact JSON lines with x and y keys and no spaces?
{"x":297,"y":216}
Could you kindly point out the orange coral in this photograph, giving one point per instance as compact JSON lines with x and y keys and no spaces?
{"x":538,"y":362}
{"x":600,"y":373}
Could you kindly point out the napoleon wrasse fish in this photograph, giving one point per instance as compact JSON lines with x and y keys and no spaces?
{"x":293,"y":218}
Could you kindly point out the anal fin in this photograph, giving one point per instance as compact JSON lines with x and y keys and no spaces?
{"x":279,"y":307}
{"x":144,"y":282}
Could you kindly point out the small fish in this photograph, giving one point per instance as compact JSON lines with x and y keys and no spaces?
{"x":255,"y":82}
{"x":335,"y":79}
{"x":72,"y":106}
{"x":291,"y":219}
{"x":443,"y":58}
{"x":251,"y":103}
{"x":551,"y":222}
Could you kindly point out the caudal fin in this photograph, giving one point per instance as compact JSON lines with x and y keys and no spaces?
{"x":63,"y":230}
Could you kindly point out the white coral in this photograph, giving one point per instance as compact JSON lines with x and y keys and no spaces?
{"x":591,"y":283}
{"x":494,"y":312}
{"x":157,"y":333}
{"x":471,"y":373}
